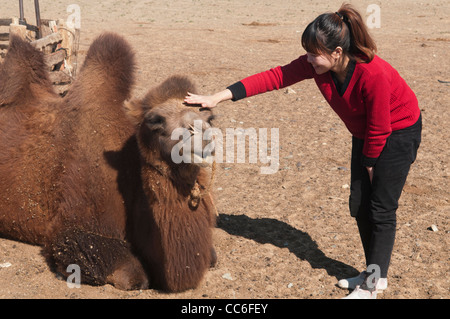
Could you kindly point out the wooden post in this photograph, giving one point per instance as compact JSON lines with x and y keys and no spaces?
{"x":38,"y":19}
{"x":21,"y":18}
{"x":70,"y":41}
{"x":17,"y":29}
{"x":5,"y":22}
{"x":50,"y":39}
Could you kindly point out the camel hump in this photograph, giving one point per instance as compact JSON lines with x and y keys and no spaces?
{"x":23,"y":74}
{"x":107,"y":74}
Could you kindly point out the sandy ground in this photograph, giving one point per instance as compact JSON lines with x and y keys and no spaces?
{"x":288,"y":234}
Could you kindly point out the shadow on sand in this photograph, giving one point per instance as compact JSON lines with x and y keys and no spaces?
{"x":280,"y":234}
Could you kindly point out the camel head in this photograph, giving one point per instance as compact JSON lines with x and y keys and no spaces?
{"x":171,"y":134}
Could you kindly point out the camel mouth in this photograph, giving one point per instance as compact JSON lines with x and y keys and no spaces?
{"x":192,"y":150}
{"x":202,"y":161}
{"x":200,"y":158}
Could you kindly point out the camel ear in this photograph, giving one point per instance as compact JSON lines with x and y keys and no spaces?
{"x":134,"y":111}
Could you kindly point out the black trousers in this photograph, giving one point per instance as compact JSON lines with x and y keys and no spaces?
{"x":374,"y":205}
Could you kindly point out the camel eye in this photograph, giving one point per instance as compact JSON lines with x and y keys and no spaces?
{"x":155,"y":122}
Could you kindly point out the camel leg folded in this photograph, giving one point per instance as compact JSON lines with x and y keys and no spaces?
{"x":101,"y":260}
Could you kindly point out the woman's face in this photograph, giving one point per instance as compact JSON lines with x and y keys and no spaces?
{"x":321,"y":63}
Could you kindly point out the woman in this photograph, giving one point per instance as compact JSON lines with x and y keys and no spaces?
{"x":378,"y":108}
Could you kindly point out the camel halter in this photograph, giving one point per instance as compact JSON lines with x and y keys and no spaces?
{"x":197,"y":194}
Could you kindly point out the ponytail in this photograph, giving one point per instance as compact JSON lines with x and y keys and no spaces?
{"x":361,"y":43}
{"x":344,"y":28}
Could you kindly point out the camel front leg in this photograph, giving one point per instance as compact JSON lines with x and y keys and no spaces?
{"x":101,"y":260}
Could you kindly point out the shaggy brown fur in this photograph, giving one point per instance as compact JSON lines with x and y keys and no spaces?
{"x":180,"y":235}
{"x":93,"y":188}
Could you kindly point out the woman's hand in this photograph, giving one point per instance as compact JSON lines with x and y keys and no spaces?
{"x":204,"y":100}
{"x":208,"y":101}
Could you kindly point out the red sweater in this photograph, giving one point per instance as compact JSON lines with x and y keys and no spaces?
{"x":376,"y":100}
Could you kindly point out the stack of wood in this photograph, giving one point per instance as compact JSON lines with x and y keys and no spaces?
{"x":4,"y":37}
{"x":59,"y":43}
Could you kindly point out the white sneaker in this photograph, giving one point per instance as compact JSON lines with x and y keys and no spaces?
{"x":359,"y":293}
{"x":352,"y":283}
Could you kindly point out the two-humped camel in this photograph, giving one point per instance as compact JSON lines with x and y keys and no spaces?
{"x":89,"y":176}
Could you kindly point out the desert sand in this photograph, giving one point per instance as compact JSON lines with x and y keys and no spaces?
{"x":288,"y":234}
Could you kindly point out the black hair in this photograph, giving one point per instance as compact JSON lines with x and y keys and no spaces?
{"x":344,"y":28}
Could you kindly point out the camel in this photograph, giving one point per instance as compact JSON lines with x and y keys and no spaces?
{"x":88,"y":176}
